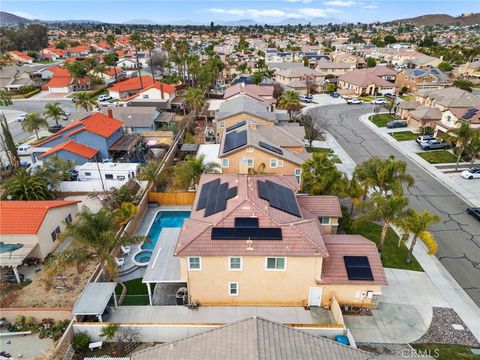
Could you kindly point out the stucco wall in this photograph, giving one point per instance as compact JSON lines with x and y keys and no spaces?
{"x":68,"y":156}
{"x":348,"y":294}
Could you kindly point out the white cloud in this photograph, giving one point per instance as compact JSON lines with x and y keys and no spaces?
{"x":300,"y":1}
{"x":371,"y":6}
{"x":340,"y":3}
{"x":24,"y":15}
{"x":255,"y":13}
{"x":315,"y":12}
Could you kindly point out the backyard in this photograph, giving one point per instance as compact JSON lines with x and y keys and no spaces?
{"x":438,"y":157}
{"x":403,"y":135}
{"x":381,"y":120}
{"x":446,"y":352}
{"x":137,"y":293}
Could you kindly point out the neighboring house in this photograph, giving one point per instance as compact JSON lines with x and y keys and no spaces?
{"x":353,"y":61}
{"x":404,"y":107}
{"x":254,"y":227}
{"x":31,"y":228}
{"x":84,"y":138}
{"x":424,"y":116}
{"x":275,"y":56}
{"x":372,"y":81}
{"x":157,"y":95}
{"x":108,"y":76}
{"x":336,"y":69}
{"x":137,"y":120}
{"x":81,"y":50}
{"x":448,"y":98}
{"x":451,"y":119}
{"x":301,"y":79}
{"x":470,"y":69}
{"x":427,"y":79}
{"x":126,"y":88}
{"x":60,"y":81}
{"x":254,"y":339}
{"x":15,"y":77}
{"x":20,"y":57}
{"x":424,"y":61}
{"x":127,"y":64}
{"x":93,"y":171}
{"x":257,"y":92}
{"x":52,"y":53}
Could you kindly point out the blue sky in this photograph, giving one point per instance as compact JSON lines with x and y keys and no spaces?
{"x":271,"y":11}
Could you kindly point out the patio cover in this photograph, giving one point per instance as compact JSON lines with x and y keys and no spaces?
{"x":94,"y":298}
{"x":126,"y":143}
{"x":189,"y":148}
{"x":16,"y":257}
{"x":163,"y":266}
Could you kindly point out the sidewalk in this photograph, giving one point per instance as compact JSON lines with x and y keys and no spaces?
{"x":471,"y":198}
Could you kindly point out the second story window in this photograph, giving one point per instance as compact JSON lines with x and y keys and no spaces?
{"x":276,"y":263}
{"x":325,"y":220}
{"x":235,"y":263}
{"x":194,"y":263}
{"x":273,"y":163}
{"x":298,"y":175}
{"x":68,"y":219}
{"x":225,"y":163}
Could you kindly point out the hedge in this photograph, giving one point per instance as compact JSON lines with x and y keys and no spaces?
{"x":31,"y":93}
{"x":97,"y":92}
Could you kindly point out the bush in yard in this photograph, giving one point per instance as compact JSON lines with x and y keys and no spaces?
{"x":81,"y":341}
{"x":345,"y":223}
{"x":404,"y":89}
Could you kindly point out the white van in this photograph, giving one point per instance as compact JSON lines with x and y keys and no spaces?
{"x":23,"y":150}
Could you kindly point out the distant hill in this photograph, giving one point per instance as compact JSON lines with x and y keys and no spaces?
{"x":140,"y":22}
{"x":11,"y":19}
{"x":241,"y":22}
{"x":443,"y":19}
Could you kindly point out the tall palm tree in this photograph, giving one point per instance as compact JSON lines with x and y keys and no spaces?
{"x":462,"y":136}
{"x":53,"y":111}
{"x":289,"y":101}
{"x":77,"y":71}
{"x":194,"y":99}
{"x":26,"y":186}
{"x":136,"y":41}
{"x":473,"y":147}
{"x":417,"y":224}
{"x":33,"y":122}
{"x":85,"y":101}
{"x":321,"y":176}
{"x":149,"y":172}
{"x":388,"y":210}
{"x":149,"y":45}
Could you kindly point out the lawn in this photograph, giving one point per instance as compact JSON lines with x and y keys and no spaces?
{"x":438,"y":157}
{"x":408,"y":97}
{"x":366,"y":98}
{"x":446,"y":352}
{"x":392,"y":256}
{"x":403,"y":135}
{"x":324,"y":150}
{"x":381,"y":120}
{"x":137,"y":293}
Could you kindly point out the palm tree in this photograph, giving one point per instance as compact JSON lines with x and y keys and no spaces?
{"x":473,"y":147}
{"x":417,"y":224}
{"x":77,"y":71}
{"x":289,"y":101}
{"x":461,"y":135}
{"x":388,"y":210}
{"x":86,"y":101}
{"x":321,"y":176}
{"x":33,"y":122}
{"x":125,"y":213}
{"x":149,"y":172}
{"x":111,"y":61}
{"x":26,"y":186}
{"x":149,"y":44}
{"x":109,"y":331}
{"x":110,"y":39}
{"x":53,"y":111}
{"x":136,"y":41}
{"x":191,"y":170}
{"x":195,"y":99}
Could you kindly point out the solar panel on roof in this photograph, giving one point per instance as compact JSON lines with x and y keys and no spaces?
{"x":418,"y":72}
{"x":213,"y":197}
{"x":246,"y":222}
{"x":270,"y":147}
{"x":235,"y":126}
{"x":232,"y":192}
{"x":279,"y":196}
{"x":358,"y":268}
{"x":244,"y":233}
{"x":470,"y":113}
{"x":234,"y":140}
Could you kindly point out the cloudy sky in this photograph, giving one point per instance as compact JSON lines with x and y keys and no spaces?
{"x":271,"y":11}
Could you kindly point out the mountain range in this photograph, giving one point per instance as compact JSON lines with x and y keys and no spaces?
{"x":443,"y":19}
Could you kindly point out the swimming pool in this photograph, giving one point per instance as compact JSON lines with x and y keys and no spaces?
{"x":142,"y":257}
{"x":164,"y":219}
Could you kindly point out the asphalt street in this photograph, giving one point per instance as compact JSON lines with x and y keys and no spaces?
{"x":457,"y":234}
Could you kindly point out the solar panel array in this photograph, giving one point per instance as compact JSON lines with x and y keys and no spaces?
{"x":246,"y":222}
{"x":279,"y":196}
{"x":358,"y":268}
{"x":418,"y":72}
{"x":470,"y":113}
{"x":270,"y":147}
{"x":234,"y":140}
{"x":213,"y":197}
{"x":235,"y":126}
{"x":246,"y":233}
{"x":435,"y":71}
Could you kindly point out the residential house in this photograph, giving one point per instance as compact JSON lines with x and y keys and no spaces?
{"x":245,"y":149}
{"x":301,"y":79}
{"x":20,"y":57}
{"x":15,"y":77}
{"x":127,"y":63}
{"x":354,"y":61}
{"x":470,"y":69}
{"x":51,"y":53}
{"x":448,"y":98}
{"x":262,"y":93}
{"x":84,"y":140}
{"x":451,"y":118}
{"x":126,"y":88}
{"x":336,"y":69}
{"x":80,"y":50}
{"x":110,"y":74}
{"x":424,"y":61}
{"x":31,"y":228}
{"x":137,"y":120}
{"x":245,"y":227}
{"x":275,"y":56}
{"x":429,"y":78}
{"x":371,"y":81}
{"x":404,"y":107}
{"x":60,"y":81}
{"x":159,"y":95}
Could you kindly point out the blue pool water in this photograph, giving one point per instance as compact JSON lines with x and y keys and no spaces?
{"x":164,"y":219}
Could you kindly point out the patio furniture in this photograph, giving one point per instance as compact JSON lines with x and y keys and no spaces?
{"x":125,"y":249}
{"x":120,"y":261}
{"x":95,"y":345}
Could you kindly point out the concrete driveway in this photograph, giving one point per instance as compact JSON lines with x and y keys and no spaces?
{"x":322,"y":100}
{"x":404,"y":313}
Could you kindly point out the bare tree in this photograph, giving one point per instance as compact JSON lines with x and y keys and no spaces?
{"x":315,"y":129}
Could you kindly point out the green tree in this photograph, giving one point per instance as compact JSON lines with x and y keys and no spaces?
{"x":86,"y":101}
{"x":77,"y":71}
{"x":125,"y":213}
{"x":191,"y":170}
{"x":149,"y":172}
{"x":461,"y":136}
{"x":55,"y":170}
{"x":444,"y":66}
{"x":473,"y":147}
{"x":111,"y":60}
{"x":257,"y":77}
{"x":417,"y":224}
{"x":110,"y":40}
{"x":33,"y":122}
{"x":389,"y":39}
{"x":289,"y":101}
{"x":26,"y":186}
{"x":53,"y":111}
{"x":194,"y":99}
{"x":371,"y":62}
{"x":109,"y":331}
{"x":387,"y":210}
{"x":464,"y":84}
{"x":321,"y":176}
{"x":330,"y":88}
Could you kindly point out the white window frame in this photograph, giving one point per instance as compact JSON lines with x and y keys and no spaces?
{"x":227,"y":162}
{"x":222,"y":124}
{"x":275,"y":257}
{"x":230,"y":288}
{"x":199,"y":263}
{"x":325,"y":217}
{"x":272,"y":161}
{"x":247,"y":160}
{"x":279,"y":163}
{"x":230,"y":263}
{"x":298,"y":174}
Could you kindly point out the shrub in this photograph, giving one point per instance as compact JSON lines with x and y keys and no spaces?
{"x":404,"y":89}
{"x":81,"y":341}
{"x":345,"y":222}
{"x":31,"y":93}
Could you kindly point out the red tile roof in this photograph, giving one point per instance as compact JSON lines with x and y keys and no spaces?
{"x":78,"y":49}
{"x":26,"y":217}
{"x":321,"y":205}
{"x":59,"y":81}
{"x":338,"y":246}
{"x":21,"y":55}
{"x":132,"y":84}
{"x":168,"y":89}
{"x":73,"y":147}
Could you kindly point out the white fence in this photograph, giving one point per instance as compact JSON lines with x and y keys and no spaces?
{"x":90,"y":186}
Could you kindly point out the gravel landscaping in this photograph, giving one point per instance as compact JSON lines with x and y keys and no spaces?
{"x":441,"y":330}
{"x":385,"y":349}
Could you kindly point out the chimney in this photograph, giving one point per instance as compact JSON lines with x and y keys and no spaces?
{"x":161,"y":91}
{"x":110,"y":113}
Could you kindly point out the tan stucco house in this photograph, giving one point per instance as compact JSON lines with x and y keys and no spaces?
{"x":372,"y":81}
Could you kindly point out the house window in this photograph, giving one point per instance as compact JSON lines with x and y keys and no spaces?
{"x":250,"y":163}
{"x":88,"y":174}
{"x":280,"y":163}
{"x":68,"y":219}
{"x":222,"y":124}
{"x":298,"y":175}
{"x":225,"y":163}
{"x":325,"y":220}
{"x":235,"y":263}
{"x":120,"y":177}
{"x":109,"y":176}
{"x":233,"y":289}
{"x":145,"y":96}
{"x":273,"y":163}
{"x":276,"y":263}
{"x":194,"y":263}
{"x":55,"y":233}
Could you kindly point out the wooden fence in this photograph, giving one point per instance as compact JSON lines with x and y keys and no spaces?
{"x":172,"y":198}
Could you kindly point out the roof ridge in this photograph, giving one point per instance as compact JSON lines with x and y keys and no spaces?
{"x":323,"y":251}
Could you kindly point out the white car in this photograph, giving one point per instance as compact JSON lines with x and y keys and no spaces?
{"x":21,"y":117}
{"x":104,"y":98}
{"x":23,"y":150}
{"x":472,"y":173}
{"x":379,"y":101}
{"x":354,"y":101}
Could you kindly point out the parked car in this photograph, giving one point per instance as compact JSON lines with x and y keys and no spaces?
{"x":475,"y":212}
{"x":305,"y":99}
{"x":21,"y":117}
{"x":66,"y":116}
{"x":397,"y":124}
{"x":75,"y":99}
{"x":25,"y":164}
{"x":354,"y":101}
{"x":379,"y":101}
{"x":390,"y":96}
{"x":472,"y":173}
{"x":23,"y":150}
{"x":335,"y":94}
{"x":423,"y":138}
{"x":434,"y":144}
{"x":104,"y":97}
{"x":309,"y":96}
{"x":55,"y":128}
